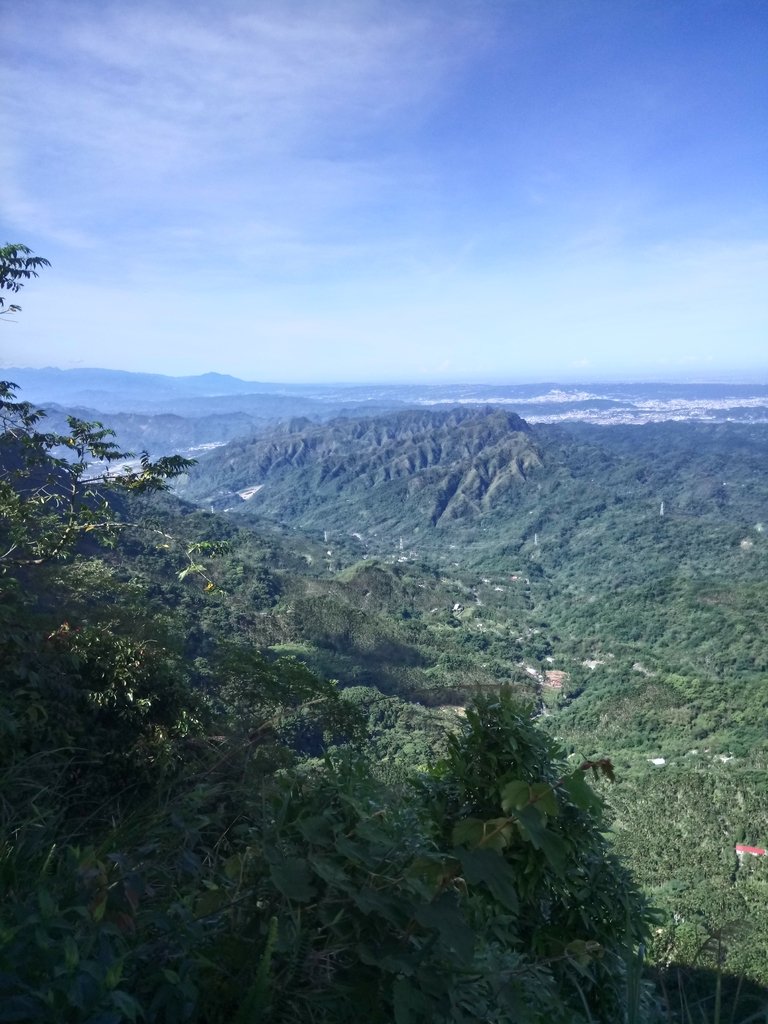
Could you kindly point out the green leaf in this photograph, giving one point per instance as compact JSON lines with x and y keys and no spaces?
{"x":583,"y":952}
{"x":209,"y":902}
{"x":515,"y":794}
{"x":372,"y":831}
{"x":554,"y":849}
{"x":45,"y":903}
{"x":99,"y":906}
{"x":114,"y":974}
{"x":71,"y":952}
{"x":371,"y":901}
{"x":444,"y":916}
{"x":433,"y":871}
{"x":544,"y":797}
{"x":233,"y":866}
{"x":395,"y":962}
{"x":329,"y":871}
{"x":530,"y":824}
{"x":410,"y":1006}
{"x":127,"y":1005}
{"x":468,"y":832}
{"x":357,"y":853}
{"x":497,"y":833}
{"x":293,"y":879}
{"x":489,"y":868}
{"x":580,"y":792}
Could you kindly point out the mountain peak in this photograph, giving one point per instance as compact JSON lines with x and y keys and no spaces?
{"x":424,"y":465}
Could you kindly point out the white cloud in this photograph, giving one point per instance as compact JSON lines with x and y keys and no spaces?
{"x":127,"y":119}
{"x":348,"y":174}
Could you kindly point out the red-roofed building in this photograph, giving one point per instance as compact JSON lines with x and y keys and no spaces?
{"x":554,"y":678}
{"x":755,"y":851}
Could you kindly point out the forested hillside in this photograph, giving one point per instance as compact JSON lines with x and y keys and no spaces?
{"x":412,"y":468}
{"x":172,"y":851}
{"x":620,"y":577}
{"x":636,"y":558}
{"x":433,"y":478}
{"x":449,"y":717}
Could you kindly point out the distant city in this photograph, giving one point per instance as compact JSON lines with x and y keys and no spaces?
{"x":549,"y":402}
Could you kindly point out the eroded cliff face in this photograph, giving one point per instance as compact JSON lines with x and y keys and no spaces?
{"x":427,"y":465}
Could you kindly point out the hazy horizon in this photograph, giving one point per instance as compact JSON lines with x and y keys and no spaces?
{"x":756,"y":379}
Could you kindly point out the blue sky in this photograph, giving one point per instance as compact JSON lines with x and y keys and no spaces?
{"x":501,"y":190}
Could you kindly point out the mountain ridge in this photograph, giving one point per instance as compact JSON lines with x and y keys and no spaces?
{"x":449,"y":463}
{"x":606,"y":403}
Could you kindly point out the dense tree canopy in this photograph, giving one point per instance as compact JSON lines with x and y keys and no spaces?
{"x":198,"y":824}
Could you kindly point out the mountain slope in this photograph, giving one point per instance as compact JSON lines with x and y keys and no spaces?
{"x":162,"y":433}
{"x":428,"y":467}
{"x":583,"y":501}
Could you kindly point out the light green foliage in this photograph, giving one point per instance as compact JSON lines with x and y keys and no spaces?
{"x":84,"y":696}
{"x":55,"y":488}
{"x":18,"y":264}
{"x":690,"y":865}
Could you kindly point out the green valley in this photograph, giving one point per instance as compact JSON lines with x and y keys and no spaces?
{"x":615,"y":576}
{"x":502,"y":610}
{"x":195,"y":827}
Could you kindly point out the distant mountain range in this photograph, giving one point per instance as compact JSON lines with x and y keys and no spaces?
{"x":188,"y":415}
{"x":117,"y":391}
{"x":486,"y":480}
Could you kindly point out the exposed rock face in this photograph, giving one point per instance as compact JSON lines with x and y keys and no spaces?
{"x":447,"y":465}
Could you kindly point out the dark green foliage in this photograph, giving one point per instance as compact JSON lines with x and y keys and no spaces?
{"x":398,"y":914}
{"x":402,"y":737}
{"x":690,"y":866}
{"x":301,"y":896}
{"x":197,"y":826}
{"x":168,"y":851}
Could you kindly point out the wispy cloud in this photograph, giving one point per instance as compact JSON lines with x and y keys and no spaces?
{"x":383,"y":183}
{"x":152,"y":118}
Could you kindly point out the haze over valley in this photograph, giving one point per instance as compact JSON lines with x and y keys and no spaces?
{"x":186,"y":414}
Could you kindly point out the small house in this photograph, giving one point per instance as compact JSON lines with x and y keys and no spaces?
{"x":753,"y":851}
